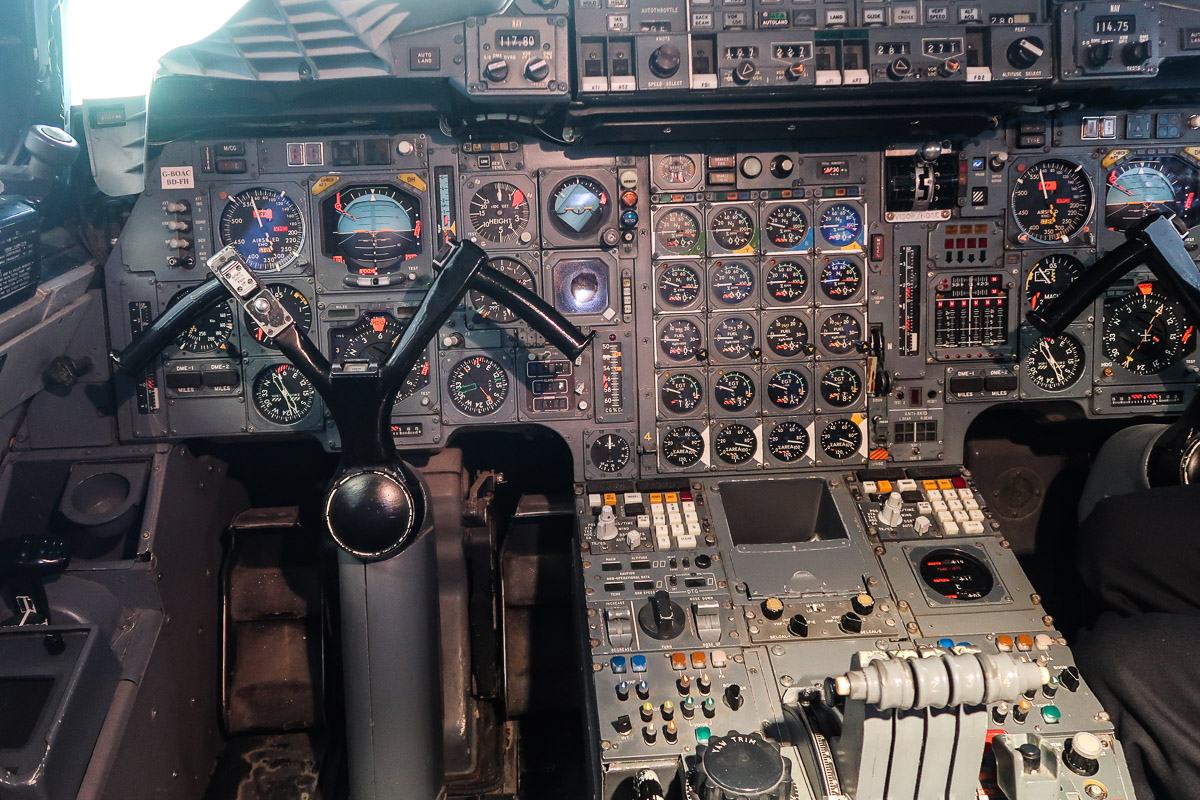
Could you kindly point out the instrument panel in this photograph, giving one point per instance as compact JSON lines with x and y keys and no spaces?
{"x":763,"y":306}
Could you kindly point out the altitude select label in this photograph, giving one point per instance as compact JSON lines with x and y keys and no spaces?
{"x":178,"y":177}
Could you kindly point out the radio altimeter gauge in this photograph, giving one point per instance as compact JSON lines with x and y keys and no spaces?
{"x":1055,"y":365}
{"x":282,"y":394}
{"x":499,"y":212}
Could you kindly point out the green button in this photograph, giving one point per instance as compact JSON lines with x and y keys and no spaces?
{"x":1051,"y":714}
{"x":703,"y":734}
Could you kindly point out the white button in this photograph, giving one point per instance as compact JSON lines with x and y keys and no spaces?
{"x":869,"y":487}
{"x":960,"y":516}
{"x":675,"y":519}
{"x":678,"y":530}
{"x":939,"y":506}
{"x":672,"y":508}
{"x":907,"y":485}
{"x":594,"y":501}
{"x":686,"y":542}
{"x":718,"y":658}
{"x":976,"y":514}
{"x":662,"y":541}
{"x":689,"y":505}
{"x":633,"y":497}
{"x":970,"y":504}
{"x":951,"y":528}
{"x":955,"y":505}
{"x":660,"y":518}
{"x":972,"y":527}
{"x":693,"y":528}
{"x":945,"y":516}
{"x":924,"y":508}
{"x":966,"y":494}
{"x":690,"y":516}
{"x":643,"y":521}
{"x":1043,"y":641}
{"x":934,"y":494}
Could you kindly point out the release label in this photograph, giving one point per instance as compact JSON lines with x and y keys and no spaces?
{"x":178,"y":177}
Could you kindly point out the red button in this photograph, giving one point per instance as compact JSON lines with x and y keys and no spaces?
{"x":685,"y":497}
{"x":629,"y":198}
{"x":959,"y":482}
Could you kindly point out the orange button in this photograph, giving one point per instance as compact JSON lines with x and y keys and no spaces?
{"x":885,"y":487}
{"x":1004,"y":643}
{"x":699,"y":660}
{"x":678,"y":661}
{"x":629,"y":198}
{"x":1024,"y":642}
{"x":655,"y":498}
{"x":929,"y":485}
{"x":610,"y":499}
{"x":672,"y":497}
{"x":944,"y":483}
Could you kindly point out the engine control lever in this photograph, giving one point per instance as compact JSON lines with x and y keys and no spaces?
{"x":1155,"y":242}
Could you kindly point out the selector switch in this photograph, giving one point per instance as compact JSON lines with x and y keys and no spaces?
{"x":1025,"y":52}
{"x":850,"y":622}
{"x":772,"y":608}
{"x":1082,"y":754}
{"x":733,"y":696}
{"x":708,"y":621}
{"x":665,"y":61}
{"x":890,"y":515}
{"x":661,"y":617}
{"x":863,"y":604}
{"x":798,"y":626}
{"x":537,"y":70}
{"x":620,"y":632}
{"x":496,"y":70}
{"x":1135,"y":54}
{"x":606,"y":527}
{"x":744,"y":72}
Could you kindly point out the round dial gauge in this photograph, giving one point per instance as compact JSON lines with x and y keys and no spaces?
{"x":788,"y":441}
{"x":207,"y":334}
{"x":787,"y":335}
{"x":734,"y":391}
{"x":680,"y":393}
{"x":786,"y":227}
{"x":840,"y":386}
{"x":732,"y":282}
{"x":733,"y":337}
{"x":840,"y":333}
{"x":735,"y":444}
{"x":840,"y":439}
{"x":373,"y":229}
{"x":265,"y":226}
{"x":294,"y":302}
{"x":786,"y":281}
{"x":841,"y":224}
{"x":682,"y":446}
{"x":372,"y":338}
{"x":1052,"y":200}
{"x":417,"y":380}
{"x":679,"y":339}
{"x":787,"y":389}
{"x":1146,"y":332}
{"x":499,"y":212}
{"x":282,"y":394}
{"x":1150,"y":184}
{"x":489,"y":309}
{"x":677,"y":231}
{"x":578,"y":206}
{"x":956,"y":575}
{"x":731,"y":228}
{"x":841,"y":278}
{"x":678,"y":285}
{"x":478,"y":386}
{"x":676,"y":170}
{"x":610,"y":453}
{"x":1049,"y":278}
{"x":1055,"y":364}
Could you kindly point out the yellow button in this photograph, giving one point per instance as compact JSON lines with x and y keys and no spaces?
{"x":656,"y":498}
{"x":672,"y":497}
{"x":929,"y":485}
{"x":885,"y":487}
{"x":944,"y":483}
{"x":610,"y":499}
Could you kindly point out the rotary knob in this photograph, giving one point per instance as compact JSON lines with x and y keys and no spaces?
{"x":661,"y":618}
{"x":665,"y":60}
{"x":899,"y":69}
{"x":537,"y":70}
{"x":1025,"y":52}
{"x":496,"y":70}
{"x":742,"y":766}
{"x":744,"y":72}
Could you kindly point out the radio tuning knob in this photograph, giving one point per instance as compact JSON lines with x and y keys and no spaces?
{"x":899,"y":69}
{"x":537,"y":70}
{"x":496,"y":70}
{"x":665,"y":60}
{"x":744,"y":72}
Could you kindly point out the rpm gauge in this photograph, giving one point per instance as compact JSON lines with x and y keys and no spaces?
{"x":732,"y":229}
{"x":786,"y":227}
{"x":682,"y":446}
{"x":372,"y":229}
{"x":786,"y":281}
{"x":478,"y":386}
{"x":294,"y":302}
{"x":499,"y":212}
{"x":610,"y":453}
{"x":1051,"y":201}
{"x":841,"y":224}
{"x":207,"y":334}
{"x":840,"y":439}
{"x":732,"y":282}
{"x":1150,"y":184}
{"x":788,"y":441}
{"x":678,"y":285}
{"x":487,"y":308}
{"x":265,"y":226}
{"x":1049,"y":278}
{"x":677,"y":231}
{"x":841,"y":278}
{"x":282,"y":394}
{"x":735,"y":444}
{"x":1054,"y":365}
{"x":1145,"y":332}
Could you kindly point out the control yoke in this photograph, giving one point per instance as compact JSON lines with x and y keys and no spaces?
{"x":375,"y":505}
{"x":1157,"y":243}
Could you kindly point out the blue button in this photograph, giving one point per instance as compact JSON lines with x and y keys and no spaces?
{"x":964,"y":644}
{"x":945,"y":643}
{"x":977,"y":164}
{"x":629,"y":218}
{"x":617,"y":664}
{"x":639,"y":663}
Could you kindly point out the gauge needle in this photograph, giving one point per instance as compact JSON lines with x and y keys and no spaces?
{"x":1145,"y":336}
{"x":283,"y":390}
{"x":1042,"y":185}
{"x":1044,"y":346}
{"x":257,"y":213}
{"x":338,"y":208}
{"x":1113,"y":183}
